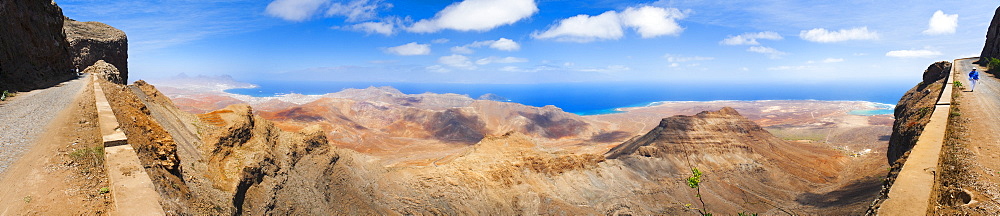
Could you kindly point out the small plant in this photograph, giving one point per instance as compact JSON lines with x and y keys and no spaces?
{"x":3,"y":96}
{"x":993,"y":63}
{"x":956,"y":114}
{"x":27,"y":199}
{"x":88,"y":157}
{"x":957,"y":84}
{"x":104,"y":190}
{"x":695,"y":182}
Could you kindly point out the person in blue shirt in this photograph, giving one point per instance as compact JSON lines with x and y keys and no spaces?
{"x":973,"y":78}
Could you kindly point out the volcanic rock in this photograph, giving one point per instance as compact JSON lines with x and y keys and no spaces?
{"x":33,"y":49}
{"x":914,"y":109}
{"x":105,"y":71}
{"x":992,"y":47}
{"x":94,"y":41}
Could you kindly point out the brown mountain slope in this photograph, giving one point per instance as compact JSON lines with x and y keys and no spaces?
{"x":244,"y":163}
{"x":747,"y":159}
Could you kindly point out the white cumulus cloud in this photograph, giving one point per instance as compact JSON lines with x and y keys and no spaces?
{"x":750,"y":38}
{"x":457,"y":61}
{"x":942,"y":23}
{"x":913,"y":53}
{"x":585,"y":28}
{"x":505,"y":45}
{"x":822,"y":35}
{"x":648,"y":21}
{"x":652,"y":22}
{"x":499,"y":60}
{"x":770,"y":52}
{"x":502,"y":44}
{"x":384,"y":28}
{"x":410,"y":49}
{"x":477,"y":15}
{"x":294,"y":10}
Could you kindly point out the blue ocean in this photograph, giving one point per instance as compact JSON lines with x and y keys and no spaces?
{"x":604,"y":98}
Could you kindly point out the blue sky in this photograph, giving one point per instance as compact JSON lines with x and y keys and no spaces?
{"x":545,"y":41}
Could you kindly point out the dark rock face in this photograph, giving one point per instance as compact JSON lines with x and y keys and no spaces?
{"x":992,"y":47}
{"x":93,"y":41}
{"x":914,"y":109}
{"x":937,"y":71}
{"x":33,"y":49}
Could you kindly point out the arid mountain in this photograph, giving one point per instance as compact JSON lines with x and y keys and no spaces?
{"x":381,"y":121}
{"x":244,"y":163}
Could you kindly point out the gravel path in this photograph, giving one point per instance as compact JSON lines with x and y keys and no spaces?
{"x":25,"y":116}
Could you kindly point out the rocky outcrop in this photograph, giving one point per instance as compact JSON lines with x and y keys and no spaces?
{"x":94,"y":41}
{"x":992,"y":47}
{"x":105,"y":71}
{"x":723,"y":140}
{"x":39,"y":47}
{"x":33,"y":49}
{"x":914,"y":109}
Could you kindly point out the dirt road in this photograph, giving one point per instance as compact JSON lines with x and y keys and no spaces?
{"x":970,"y":165}
{"x":24,"y":117}
{"x":52,"y":142}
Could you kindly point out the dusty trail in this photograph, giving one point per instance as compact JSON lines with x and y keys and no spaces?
{"x":24,"y":117}
{"x":982,"y":108}
{"x":973,"y":163}
{"x":61,"y":172}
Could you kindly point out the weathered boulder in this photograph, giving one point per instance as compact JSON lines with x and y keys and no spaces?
{"x":106,"y":71}
{"x":94,"y":41}
{"x":33,"y":49}
{"x":937,"y":71}
{"x":992,"y":47}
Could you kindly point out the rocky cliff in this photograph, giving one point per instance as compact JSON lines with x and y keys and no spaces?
{"x":39,"y":47}
{"x":992,"y":47}
{"x":914,"y":109}
{"x":34,"y":52}
{"x":93,"y":41}
{"x":913,"y":112}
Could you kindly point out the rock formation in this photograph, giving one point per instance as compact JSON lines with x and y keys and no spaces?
{"x":914,"y":109}
{"x":34,"y":52}
{"x":992,"y":47}
{"x":94,"y":41}
{"x":39,"y":47}
{"x":105,"y":71}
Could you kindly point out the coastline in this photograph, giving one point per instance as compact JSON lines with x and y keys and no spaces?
{"x":226,"y":86}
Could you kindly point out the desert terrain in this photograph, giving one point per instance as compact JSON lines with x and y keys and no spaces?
{"x":417,"y":138}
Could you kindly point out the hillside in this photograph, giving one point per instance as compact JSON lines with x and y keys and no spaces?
{"x":245,"y":163}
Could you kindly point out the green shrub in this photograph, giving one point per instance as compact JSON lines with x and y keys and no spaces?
{"x":993,"y":63}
